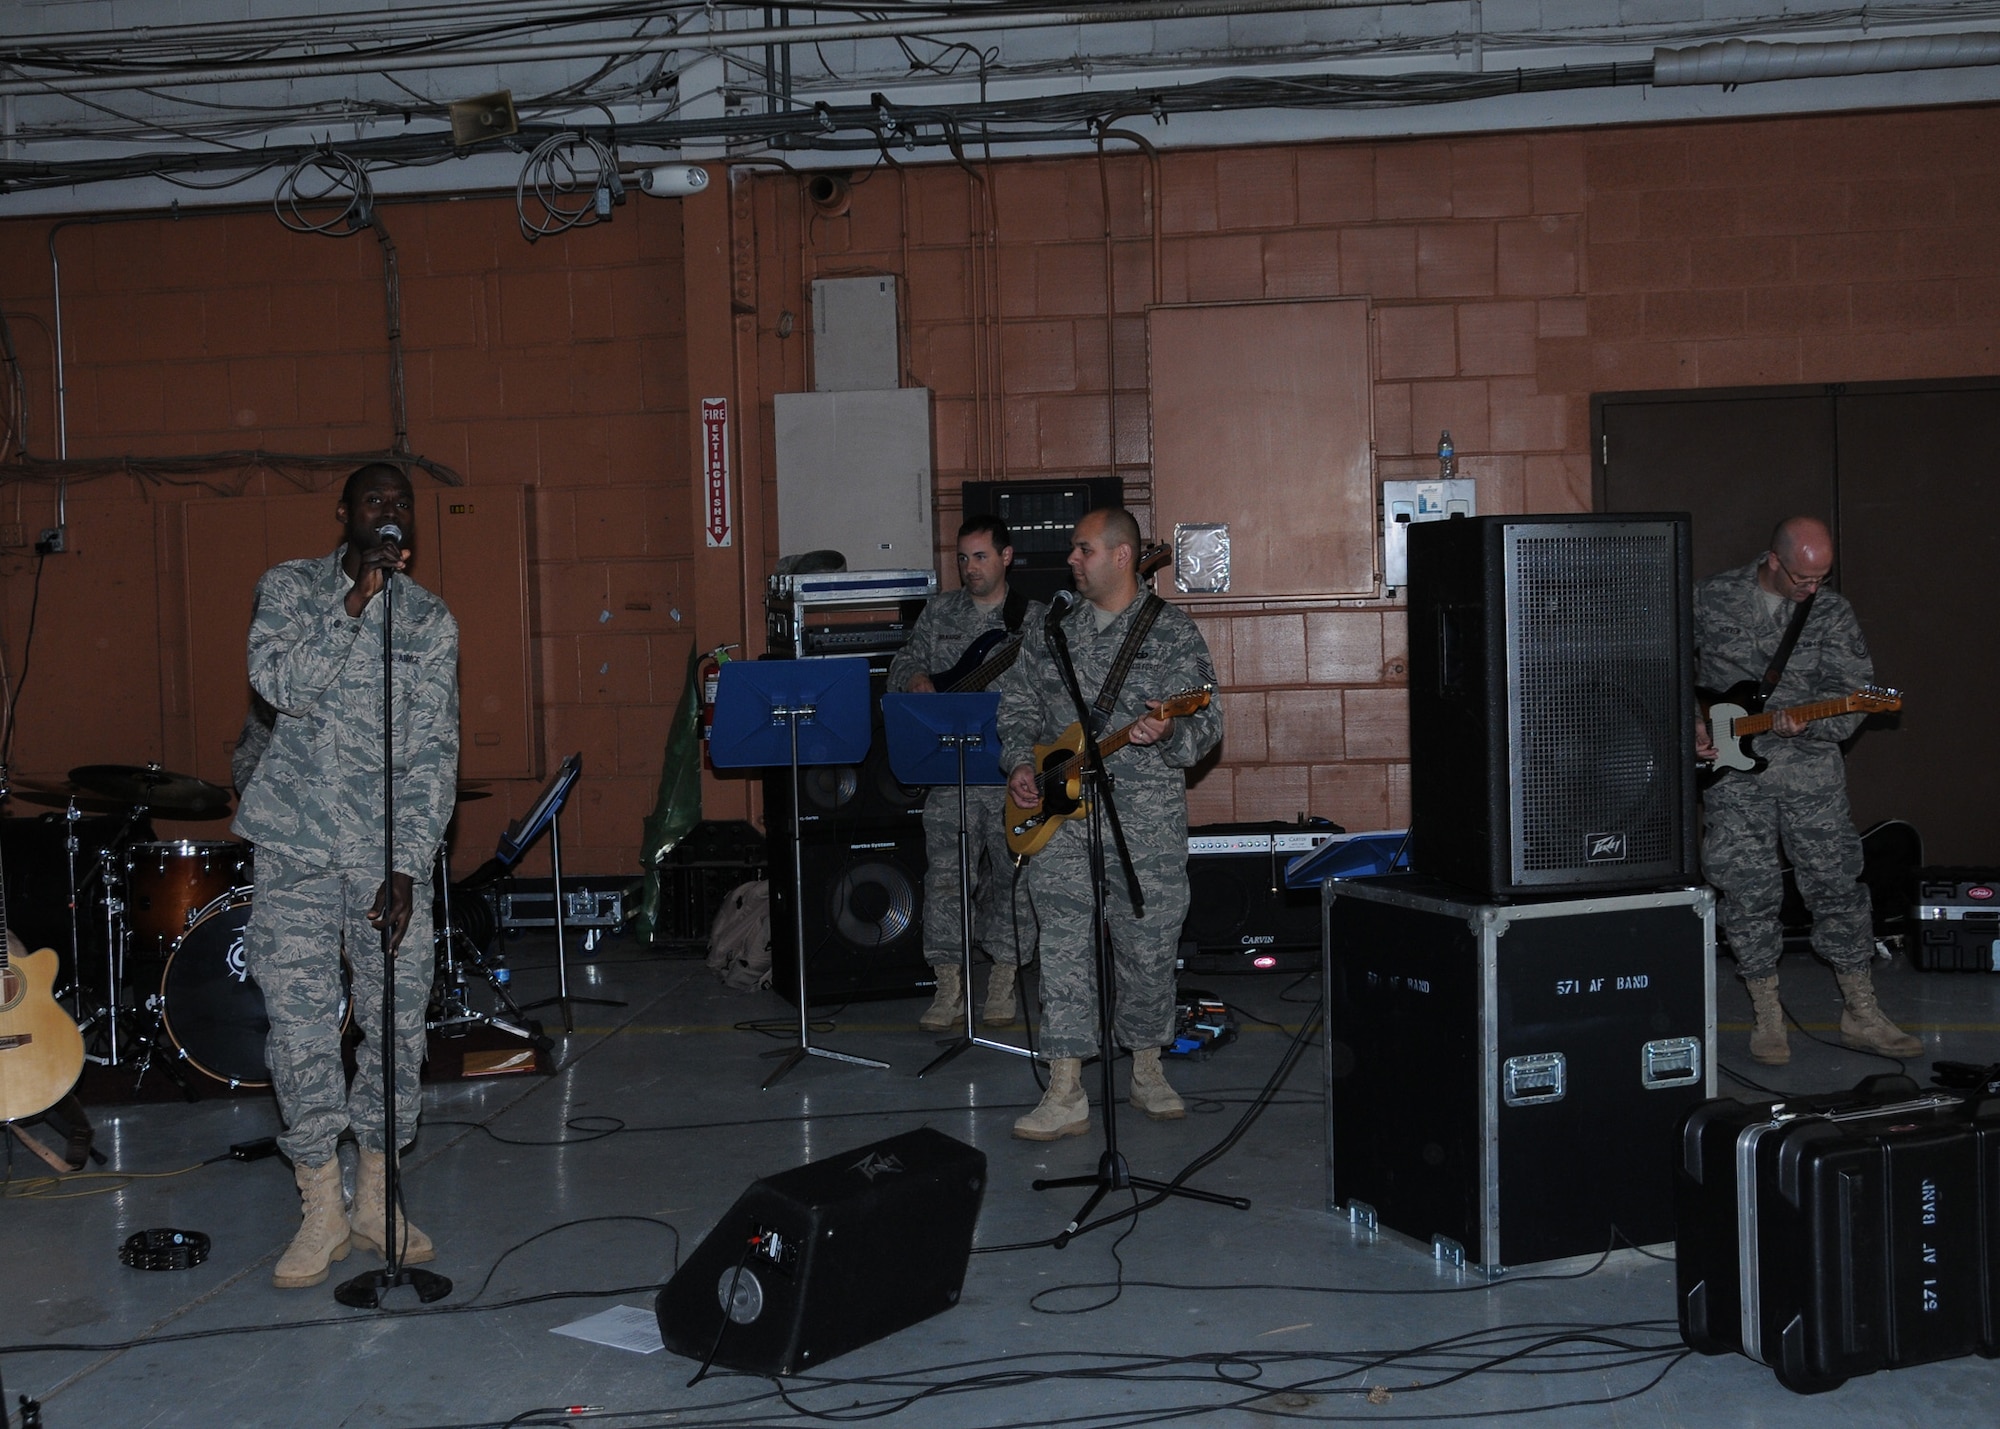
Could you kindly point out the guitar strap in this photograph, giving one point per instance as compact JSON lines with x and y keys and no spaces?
{"x":1114,"y":679}
{"x":1776,"y":672}
{"x":1015,"y":610}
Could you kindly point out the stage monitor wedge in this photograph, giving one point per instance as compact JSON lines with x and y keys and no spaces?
{"x":829,"y":1256}
{"x":1552,"y":703}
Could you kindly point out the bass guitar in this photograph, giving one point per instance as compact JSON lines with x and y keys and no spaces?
{"x":1737,"y":715}
{"x":41,"y":1052}
{"x":989,"y":657}
{"x":1061,"y":778}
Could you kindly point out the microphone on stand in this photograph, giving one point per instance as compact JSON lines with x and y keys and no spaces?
{"x":391,"y":534}
{"x":1059,"y":606}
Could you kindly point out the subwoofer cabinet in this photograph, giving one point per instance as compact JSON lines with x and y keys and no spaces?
{"x":1506,"y":1081}
{"x":864,"y":915}
{"x":1552,"y":703}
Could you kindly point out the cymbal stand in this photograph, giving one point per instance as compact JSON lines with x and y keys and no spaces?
{"x":452,"y":1010}
{"x":112,"y":1008}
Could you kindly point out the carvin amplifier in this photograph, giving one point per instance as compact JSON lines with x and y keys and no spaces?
{"x":1241,"y":916}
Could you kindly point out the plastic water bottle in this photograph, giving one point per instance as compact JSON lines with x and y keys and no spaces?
{"x":501,"y":975}
{"x":1447,"y":457}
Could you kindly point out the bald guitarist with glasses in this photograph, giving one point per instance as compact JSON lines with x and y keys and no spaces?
{"x":1771,"y":633}
{"x":964,"y":641}
{"x":1149,"y":747}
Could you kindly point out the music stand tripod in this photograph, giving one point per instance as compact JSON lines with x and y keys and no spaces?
{"x":945,"y":739}
{"x":516,"y":841}
{"x":1113,"y":1172}
{"x":794,"y":712}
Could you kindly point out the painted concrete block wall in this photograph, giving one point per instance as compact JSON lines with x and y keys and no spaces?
{"x":1511,"y":277}
{"x":559,"y":366}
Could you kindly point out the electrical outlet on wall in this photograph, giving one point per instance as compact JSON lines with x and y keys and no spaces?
{"x":52,"y":543}
{"x":13,"y":533}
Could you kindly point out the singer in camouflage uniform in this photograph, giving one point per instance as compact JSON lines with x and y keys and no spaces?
{"x":1150,"y":788}
{"x":950,"y":625}
{"x":1799,"y":802}
{"x":314,"y":808}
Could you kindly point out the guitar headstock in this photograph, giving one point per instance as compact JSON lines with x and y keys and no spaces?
{"x":1875,"y":699}
{"x":1186,"y":702}
{"x":1153,"y":557}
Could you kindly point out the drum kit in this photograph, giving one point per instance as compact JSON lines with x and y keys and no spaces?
{"x":163,"y":981}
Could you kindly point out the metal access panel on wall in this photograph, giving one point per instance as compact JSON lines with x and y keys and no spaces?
{"x":854,"y":476}
{"x":854,"y":347}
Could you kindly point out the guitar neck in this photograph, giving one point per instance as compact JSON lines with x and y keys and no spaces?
{"x":996,"y":665}
{"x":1805,"y":714}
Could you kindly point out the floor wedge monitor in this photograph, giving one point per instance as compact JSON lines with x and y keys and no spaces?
{"x":829,"y":1256}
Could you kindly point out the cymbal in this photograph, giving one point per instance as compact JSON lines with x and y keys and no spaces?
{"x":58,"y":796}
{"x":161,"y":790}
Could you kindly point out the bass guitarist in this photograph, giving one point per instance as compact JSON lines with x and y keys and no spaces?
{"x":1167,"y":657}
{"x":1799,"y":801}
{"x":963,"y":641}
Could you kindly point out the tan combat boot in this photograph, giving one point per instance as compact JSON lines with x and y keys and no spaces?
{"x":370,"y":1213}
{"x":947,"y":1009}
{"x":1064,"y":1109}
{"x":1767,"y":1039}
{"x":1863,"y":1023}
{"x":1150,"y":1092}
{"x":322,"y":1236}
{"x":1000,"y":1010}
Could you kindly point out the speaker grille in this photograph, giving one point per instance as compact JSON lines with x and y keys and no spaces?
{"x":1591,"y":635}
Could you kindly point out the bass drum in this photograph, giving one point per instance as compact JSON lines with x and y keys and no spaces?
{"x":211,"y":1009}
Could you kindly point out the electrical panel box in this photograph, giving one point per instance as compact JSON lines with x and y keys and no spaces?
{"x":1406,"y":502}
{"x":854,"y":346}
{"x":854,"y":476}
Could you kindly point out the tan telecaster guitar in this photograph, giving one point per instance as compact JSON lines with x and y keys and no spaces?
{"x":1736,"y":716}
{"x":1061,"y":777}
{"x":41,"y":1052}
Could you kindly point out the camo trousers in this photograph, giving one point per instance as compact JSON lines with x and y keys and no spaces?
{"x":1142,"y":949}
{"x":292,"y":947}
{"x":1748,"y":817}
{"x":1001,"y":908}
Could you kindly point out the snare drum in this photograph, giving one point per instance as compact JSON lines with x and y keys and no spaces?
{"x":167,"y":885}
{"x":211,"y":1009}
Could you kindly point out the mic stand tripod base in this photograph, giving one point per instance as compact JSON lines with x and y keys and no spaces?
{"x":365,"y":1291}
{"x":795,"y":1055}
{"x":1113,"y":1174}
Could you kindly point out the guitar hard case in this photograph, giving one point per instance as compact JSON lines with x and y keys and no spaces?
{"x":1834,"y":1236}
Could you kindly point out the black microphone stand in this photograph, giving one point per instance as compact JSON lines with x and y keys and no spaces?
{"x":365,"y":1291}
{"x":1113,"y":1173}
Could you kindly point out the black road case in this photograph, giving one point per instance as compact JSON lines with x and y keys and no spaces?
{"x":1505,"y":1080}
{"x":1833,"y":1236}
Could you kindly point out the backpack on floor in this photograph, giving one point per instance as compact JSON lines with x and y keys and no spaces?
{"x":739,"y":941}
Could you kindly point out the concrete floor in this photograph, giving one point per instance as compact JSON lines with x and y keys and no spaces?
{"x":553,"y":1198}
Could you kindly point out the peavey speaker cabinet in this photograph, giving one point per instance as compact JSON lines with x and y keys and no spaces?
{"x":828,"y":1256}
{"x":1552,"y":703}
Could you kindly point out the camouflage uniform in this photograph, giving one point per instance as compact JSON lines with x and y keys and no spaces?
{"x":1801,"y":800}
{"x":314,"y":810}
{"x":942,"y":634}
{"x":1150,"y":788}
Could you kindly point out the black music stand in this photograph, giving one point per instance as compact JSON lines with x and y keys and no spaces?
{"x":793,"y":712}
{"x":520,"y":836}
{"x":951,"y":739}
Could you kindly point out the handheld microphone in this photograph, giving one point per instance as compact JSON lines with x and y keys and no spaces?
{"x":1059,"y":606}
{"x":391,"y":534}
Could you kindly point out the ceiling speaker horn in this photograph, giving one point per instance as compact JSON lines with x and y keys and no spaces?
{"x":484,"y":116}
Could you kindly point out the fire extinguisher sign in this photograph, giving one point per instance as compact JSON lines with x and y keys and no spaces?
{"x":715,"y":468}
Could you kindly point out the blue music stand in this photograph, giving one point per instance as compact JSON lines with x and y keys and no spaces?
{"x":793,"y":712}
{"x":951,"y":739}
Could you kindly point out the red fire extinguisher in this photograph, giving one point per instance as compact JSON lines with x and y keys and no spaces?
{"x":710,"y":671}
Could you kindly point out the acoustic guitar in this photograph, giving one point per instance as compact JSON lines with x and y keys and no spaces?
{"x":41,"y":1052}
{"x":1061,"y":778}
{"x":1737,"y":715}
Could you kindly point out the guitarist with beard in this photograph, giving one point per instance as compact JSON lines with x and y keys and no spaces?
{"x":1166,"y":655}
{"x":963,"y":641}
{"x":1799,"y":800}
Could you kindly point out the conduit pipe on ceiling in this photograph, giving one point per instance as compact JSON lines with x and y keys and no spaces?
{"x":631,"y":46}
{"x":1748,"y":61}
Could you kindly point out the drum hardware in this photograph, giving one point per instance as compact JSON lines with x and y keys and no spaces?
{"x":172,"y":795}
{"x":458,"y":952}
